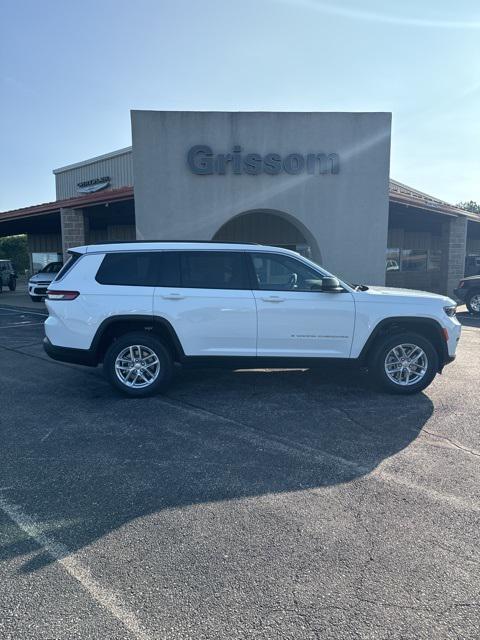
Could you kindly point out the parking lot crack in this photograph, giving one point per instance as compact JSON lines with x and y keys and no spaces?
{"x":452,"y":443}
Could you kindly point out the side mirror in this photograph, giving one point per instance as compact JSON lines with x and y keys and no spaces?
{"x":331,"y":284}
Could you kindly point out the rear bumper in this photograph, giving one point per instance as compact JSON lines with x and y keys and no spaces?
{"x":73,"y":356}
{"x":460,"y":294}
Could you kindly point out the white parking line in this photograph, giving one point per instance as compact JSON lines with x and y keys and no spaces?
{"x":24,"y":312}
{"x":103,"y":596}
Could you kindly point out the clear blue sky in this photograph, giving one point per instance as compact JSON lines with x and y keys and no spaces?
{"x":71,"y":70}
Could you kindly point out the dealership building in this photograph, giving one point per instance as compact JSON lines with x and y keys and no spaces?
{"x":317,"y":183}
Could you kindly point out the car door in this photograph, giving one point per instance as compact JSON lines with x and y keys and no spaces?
{"x":207,"y":298}
{"x":295,"y":318}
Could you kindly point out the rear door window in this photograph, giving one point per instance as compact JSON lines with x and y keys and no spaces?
{"x":213,"y":270}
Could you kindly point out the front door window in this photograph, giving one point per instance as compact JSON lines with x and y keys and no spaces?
{"x":276,"y":272}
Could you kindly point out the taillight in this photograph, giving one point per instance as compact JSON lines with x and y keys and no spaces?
{"x":62,"y":295}
{"x":462,"y":284}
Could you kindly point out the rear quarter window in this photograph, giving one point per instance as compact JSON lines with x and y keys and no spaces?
{"x":71,"y":260}
{"x":132,"y":268}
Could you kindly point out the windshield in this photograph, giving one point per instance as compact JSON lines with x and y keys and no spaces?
{"x":53,"y":267}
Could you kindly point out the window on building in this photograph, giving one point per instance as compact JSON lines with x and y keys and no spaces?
{"x":41,"y":259}
{"x":434,"y":260}
{"x":280,"y":273}
{"x":414,"y":260}
{"x":131,"y":268}
{"x":393,"y":260}
{"x":213,"y":270}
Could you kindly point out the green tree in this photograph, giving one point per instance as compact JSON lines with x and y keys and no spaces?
{"x":15,"y":248}
{"x":472,"y":206}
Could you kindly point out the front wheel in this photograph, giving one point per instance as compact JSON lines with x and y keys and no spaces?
{"x":473,"y":303}
{"x":404,"y":363}
{"x":138,"y":365}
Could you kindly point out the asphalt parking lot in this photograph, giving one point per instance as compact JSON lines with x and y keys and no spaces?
{"x":259,"y":504}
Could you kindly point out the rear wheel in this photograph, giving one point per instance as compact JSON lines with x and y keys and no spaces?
{"x":12,"y":284}
{"x":404,"y":363}
{"x":473,"y":303}
{"x":138,"y":365}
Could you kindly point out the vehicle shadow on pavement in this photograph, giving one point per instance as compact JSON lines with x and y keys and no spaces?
{"x":89,"y":461}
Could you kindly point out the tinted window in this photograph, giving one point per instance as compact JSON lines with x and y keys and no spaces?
{"x":213,"y":270}
{"x":280,"y":273}
{"x":132,"y":268}
{"x":71,"y":260}
{"x":169,"y":269}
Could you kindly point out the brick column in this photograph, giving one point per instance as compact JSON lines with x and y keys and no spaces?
{"x":73,"y":229}
{"x":454,"y":244}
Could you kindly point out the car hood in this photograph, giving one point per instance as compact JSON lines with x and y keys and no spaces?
{"x":43,"y":277}
{"x":377,"y":294}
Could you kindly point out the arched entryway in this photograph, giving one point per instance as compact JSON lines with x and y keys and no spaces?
{"x":267,"y":226}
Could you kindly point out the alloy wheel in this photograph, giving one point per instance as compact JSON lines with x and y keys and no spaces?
{"x":475,"y":303}
{"x":406,"y":364}
{"x":137,"y":366}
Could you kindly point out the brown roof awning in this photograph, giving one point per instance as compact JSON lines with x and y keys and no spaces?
{"x":91,"y":199}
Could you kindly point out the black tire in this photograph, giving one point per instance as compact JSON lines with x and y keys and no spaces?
{"x":12,"y":284}
{"x":36,"y":298}
{"x":468,"y":302}
{"x":379,"y":354}
{"x":152,"y":343}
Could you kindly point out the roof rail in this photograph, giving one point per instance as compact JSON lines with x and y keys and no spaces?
{"x":92,"y":244}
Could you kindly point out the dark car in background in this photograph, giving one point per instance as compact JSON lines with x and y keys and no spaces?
{"x":468,"y":291}
{"x":8,"y":276}
{"x":472,"y":265}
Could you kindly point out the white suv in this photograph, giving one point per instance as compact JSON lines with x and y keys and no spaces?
{"x":139,"y":307}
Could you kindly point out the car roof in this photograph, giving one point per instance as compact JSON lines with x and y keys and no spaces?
{"x":179,"y":245}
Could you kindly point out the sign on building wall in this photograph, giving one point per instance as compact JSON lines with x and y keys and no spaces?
{"x":96,"y":184}
{"x":203,"y":161}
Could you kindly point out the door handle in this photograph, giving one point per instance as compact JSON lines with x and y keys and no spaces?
{"x":273,"y":299}
{"x":173,"y":296}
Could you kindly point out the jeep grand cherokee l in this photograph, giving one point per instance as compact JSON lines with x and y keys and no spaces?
{"x":139,"y":307}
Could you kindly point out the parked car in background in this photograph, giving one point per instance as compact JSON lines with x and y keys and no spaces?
{"x":468,"y":291}
{"x":8,"y":277}
{"x":472,"y":265}
{"x":38,"y":284}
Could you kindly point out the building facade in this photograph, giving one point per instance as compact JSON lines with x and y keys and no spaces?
{"x":317,"y":183}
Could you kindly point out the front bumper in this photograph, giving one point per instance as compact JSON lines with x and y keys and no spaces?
{"x":73,"y":356}
{"x":37,"y":289}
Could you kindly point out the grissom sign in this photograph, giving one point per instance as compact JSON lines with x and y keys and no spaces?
{"x":203,"y":161}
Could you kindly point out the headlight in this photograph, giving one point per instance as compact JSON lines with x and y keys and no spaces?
{"x":451,"y":310}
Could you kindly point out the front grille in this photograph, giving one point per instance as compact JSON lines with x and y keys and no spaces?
{"x":40,"y":291}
